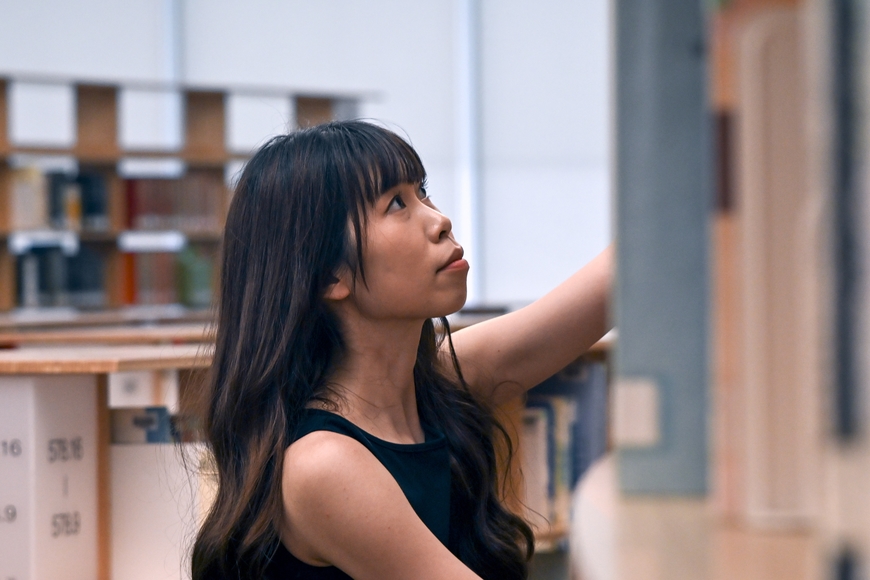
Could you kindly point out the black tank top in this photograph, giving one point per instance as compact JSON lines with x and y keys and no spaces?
{"x":422,"y":470}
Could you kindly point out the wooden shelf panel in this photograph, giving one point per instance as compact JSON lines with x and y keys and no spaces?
{"x":312,"y":111}
{"x":97,"y":123}
{"x":103,"y":359}
{"x":163,"y":334}
{"x":205,"y":133}
{"x":128,"y":315}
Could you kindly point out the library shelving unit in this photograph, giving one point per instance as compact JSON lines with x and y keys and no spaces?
{"x":58,"y":492}
{"x":97,"y":211}
{"x":102,"y":237}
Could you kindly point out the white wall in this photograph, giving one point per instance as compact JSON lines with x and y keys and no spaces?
{"x":545,"y":157}
{"x":543,"y":94}
{"x":86,"y":39}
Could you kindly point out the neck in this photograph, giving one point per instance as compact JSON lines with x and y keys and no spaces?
{"x":375,"y":377}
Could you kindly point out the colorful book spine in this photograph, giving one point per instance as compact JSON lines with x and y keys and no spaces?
{"x":572,"y":407}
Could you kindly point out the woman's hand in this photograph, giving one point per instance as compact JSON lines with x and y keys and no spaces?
{"x":504,"y":357}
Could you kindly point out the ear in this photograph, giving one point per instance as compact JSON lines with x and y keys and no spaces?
{"x":340,"y":289}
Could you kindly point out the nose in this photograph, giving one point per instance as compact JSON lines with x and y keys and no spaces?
{"x":441,"y":225}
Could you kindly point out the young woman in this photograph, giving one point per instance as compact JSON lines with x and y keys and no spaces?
{"x":351,"y":438}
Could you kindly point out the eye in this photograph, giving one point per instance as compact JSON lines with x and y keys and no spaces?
{"x":396,"y":203}
{"x":421,"y":192}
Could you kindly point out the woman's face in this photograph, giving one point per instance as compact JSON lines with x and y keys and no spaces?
{"x":413,"y":266}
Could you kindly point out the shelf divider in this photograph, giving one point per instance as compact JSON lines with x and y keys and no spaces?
{"x":97,"y":123}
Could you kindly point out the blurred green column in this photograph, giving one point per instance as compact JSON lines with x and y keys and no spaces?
{"x":664,"y":200}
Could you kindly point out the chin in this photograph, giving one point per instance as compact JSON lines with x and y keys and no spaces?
{"x":452,"y":307}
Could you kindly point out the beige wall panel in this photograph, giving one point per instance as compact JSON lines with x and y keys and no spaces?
{"x":780,"y":398}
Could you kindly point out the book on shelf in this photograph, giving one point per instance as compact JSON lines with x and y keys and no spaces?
{"x":141,"y":425}
{"x":29,"y":203}
{"x":564,"y":432}
{"x":64,"y":202}
{"x":42,"y":278}
{"x":194,"y":275}
{"x":59,"y":200}
{"x":155,"y":278}
{"x":94,"y":201}
{"x":184,"y":277}
{"x":86,"y":278}
{"x":189,"y":204}
{"x":46,"y":276}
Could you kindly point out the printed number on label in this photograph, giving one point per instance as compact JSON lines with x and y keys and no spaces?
{"x":62,"y":449}
{"x":10,"y":448}
{"x":65,"y":524}
{"x":8,"y":514}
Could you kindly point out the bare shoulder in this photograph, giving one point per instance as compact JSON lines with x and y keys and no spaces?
{"x":343,"y":508}
{"x":321,"y":472}
{"x":324,"y":468}
{"x":318,"y":456}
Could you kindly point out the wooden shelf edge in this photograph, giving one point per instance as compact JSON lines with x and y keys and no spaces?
{"x":71,"y":360}
{"x":203,"y":160}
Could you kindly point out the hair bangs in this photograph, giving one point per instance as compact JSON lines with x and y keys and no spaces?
{"x":379,"y":160}
{"x":369,"y":161}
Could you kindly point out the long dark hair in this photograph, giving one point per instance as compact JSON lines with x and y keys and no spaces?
{"x":286,"y":235}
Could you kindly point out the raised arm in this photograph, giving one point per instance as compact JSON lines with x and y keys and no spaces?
{"x":504,"y":357}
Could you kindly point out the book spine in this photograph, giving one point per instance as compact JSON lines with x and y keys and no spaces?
{"x":535,"y":445}
{"x":28,"y":280}
{"x":131,"y":187}
{"x":57,"y":186}
{"x":87,"y":278}
{"x":29,"y":194}
{"x":94,"y":202}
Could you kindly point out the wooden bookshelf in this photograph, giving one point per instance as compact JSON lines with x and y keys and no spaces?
{"x":85,"y":368}
{"x":97,"y":153}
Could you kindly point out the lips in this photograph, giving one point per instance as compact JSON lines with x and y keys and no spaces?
{"x":454,"y":256}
